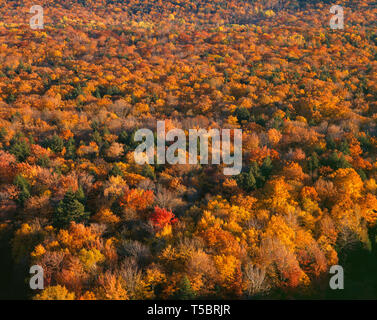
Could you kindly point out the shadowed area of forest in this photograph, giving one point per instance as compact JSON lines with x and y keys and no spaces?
{"x":75,"y":200}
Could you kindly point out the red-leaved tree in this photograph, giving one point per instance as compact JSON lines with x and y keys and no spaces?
{"x":162,"y":217}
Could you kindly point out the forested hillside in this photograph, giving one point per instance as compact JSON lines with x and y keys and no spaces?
{"x":74,"y":201}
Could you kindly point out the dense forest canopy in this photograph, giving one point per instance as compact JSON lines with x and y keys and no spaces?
{"x":73,"y":200}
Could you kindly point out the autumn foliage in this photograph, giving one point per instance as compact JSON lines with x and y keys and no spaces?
{"x":162,"y":217}
{"x":74,"y":201}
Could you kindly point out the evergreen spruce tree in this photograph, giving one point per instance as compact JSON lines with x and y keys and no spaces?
{"x":344,"y":147}
{"x":24,"y":187}
{"x":148,"y":172}
{"x":55,"y":143}
{"x":343,"y":163}
{"x":313,"y":163}
{"x":115,"y":171}
{"x":69,"y":209}
{"x":242,"y":114}
{"x":333,"y":160}
{"x":70,"y":149}
{"x":257,"y":173}
{"x":43,"y":161}
{"x":266,"y":167}
{"x":185,"y":291}
{"x":247,"y":181}
{"x":330,"y":143}
{"x":20,"y":148}
{"x":80,"y":195}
